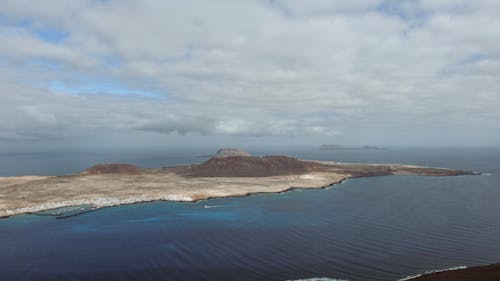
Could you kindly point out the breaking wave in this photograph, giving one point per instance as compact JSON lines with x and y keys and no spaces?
{"x":319,"y":279}
{"x":433,"y":271}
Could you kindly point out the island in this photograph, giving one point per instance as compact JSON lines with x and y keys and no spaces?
{"x":345,"y":147}
{"x":229,"y":172}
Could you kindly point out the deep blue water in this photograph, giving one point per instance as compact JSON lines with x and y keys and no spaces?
{"x":380,"y":228}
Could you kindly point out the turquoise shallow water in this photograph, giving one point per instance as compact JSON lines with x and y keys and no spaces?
{"x":380,"y":228}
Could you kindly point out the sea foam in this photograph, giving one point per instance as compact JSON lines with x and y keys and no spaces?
{"x":433,"y":271}
{"x":319,"y":279}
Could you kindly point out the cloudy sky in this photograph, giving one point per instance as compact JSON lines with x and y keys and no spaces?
{"x":155,"y":72}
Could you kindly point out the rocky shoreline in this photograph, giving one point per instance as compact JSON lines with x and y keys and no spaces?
{"x":475,"y":273}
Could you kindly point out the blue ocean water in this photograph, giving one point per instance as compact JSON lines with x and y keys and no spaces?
{"x":379,"y":228}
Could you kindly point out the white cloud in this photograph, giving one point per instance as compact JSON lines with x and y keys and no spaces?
{"x":252,"y":68}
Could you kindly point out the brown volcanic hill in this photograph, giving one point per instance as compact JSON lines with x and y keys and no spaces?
{"x":248,"y":166}
{"x":477,"y":273}
{"x":112,"y":168}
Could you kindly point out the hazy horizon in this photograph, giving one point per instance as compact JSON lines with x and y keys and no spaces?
{"x":86,"y":74}
{"x":211,"y":148}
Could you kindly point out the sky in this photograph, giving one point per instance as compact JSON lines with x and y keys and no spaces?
{"x":162,"y":73}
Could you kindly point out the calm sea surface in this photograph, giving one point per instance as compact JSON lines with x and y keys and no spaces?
{"x":380,"y":228}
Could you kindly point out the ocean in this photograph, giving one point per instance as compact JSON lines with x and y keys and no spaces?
{"x":378,"y":228}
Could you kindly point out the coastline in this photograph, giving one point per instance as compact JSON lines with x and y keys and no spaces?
{"x":490,"y":272}
{"x":186,"y":196}
{"x":416,"y":276}
{"x":99,"y":203}
{"x":107,"y":185}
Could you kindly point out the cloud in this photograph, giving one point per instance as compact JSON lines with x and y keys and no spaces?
{"x":252,"y":68}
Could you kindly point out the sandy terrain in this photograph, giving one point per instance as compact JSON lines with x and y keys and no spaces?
{"x":6,"y":181}
{"x":34,"y":194}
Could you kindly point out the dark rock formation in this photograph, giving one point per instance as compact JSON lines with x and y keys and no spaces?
{"x":436,"y":172}
{"x":112,"y":168}
{"x":477,"y":273}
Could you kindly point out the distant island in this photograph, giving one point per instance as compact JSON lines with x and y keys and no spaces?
{"x":345,"y":147}
{"x":230,"y":172}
